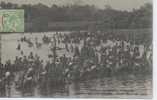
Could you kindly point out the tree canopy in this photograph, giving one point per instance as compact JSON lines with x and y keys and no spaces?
{"x":40,"y":16}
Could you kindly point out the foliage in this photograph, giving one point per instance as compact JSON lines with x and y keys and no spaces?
{"x":39,"y":16}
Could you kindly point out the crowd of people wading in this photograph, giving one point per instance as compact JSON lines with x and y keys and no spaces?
{"x":91,"y":56}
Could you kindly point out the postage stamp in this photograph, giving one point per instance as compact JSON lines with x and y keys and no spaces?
{"x":12,"y":20}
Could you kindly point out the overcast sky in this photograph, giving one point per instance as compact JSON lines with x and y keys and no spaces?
{"x":116,"y":4}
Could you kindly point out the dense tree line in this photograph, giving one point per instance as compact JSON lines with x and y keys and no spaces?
{"x":40,"y":15}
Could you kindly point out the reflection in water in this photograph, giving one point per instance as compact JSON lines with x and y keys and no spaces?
{"x":107,"y":87}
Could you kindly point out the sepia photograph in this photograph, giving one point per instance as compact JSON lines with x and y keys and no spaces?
{"x":76,"y":49}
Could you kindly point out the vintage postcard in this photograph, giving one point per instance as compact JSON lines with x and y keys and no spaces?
{"x":76,"y":49}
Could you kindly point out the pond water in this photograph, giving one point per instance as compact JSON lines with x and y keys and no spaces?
{"x":9,"y":44}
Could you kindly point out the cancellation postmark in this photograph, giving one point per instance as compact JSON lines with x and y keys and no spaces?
{"x":12,"y":20}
